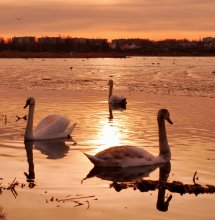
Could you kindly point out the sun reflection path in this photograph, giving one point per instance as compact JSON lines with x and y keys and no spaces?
{"x":109,"y":135}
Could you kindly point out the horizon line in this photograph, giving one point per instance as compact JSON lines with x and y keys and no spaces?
{"x":120,"y":38}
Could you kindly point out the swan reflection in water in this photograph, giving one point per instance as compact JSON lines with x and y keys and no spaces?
{"x":30,"y":176}
{"x":115,"y":107}
{"x":121,"y":174}
{"x":164,"y":172}
{"x":54,"y":149}
{"x":129,"y":174}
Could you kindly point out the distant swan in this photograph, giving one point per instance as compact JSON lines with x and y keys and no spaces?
{"x":114,"y":99}
{"x":51,"y":127}
{"x":126,"y":156}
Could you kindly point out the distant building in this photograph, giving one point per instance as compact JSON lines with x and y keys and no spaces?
{"x":19,"y":41}
{"x":130,"y":44}
{"x":99,"y":42}
{"x":208,"y":40}
{"x":187,"y":44}
{"x":50,"y":40}
{"x":113,"y":45}
{"x":81,"y":41}
{"x":125,"y":47}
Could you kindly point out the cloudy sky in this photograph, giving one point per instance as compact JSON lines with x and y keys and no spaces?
{"x":153,"y":19}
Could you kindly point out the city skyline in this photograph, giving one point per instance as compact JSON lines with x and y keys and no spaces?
{"x":109,"y":19}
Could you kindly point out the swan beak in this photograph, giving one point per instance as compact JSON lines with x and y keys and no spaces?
{"x":168,"y":119}
{"x":27,"y":104}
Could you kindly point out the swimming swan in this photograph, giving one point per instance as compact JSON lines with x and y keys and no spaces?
{"x":114,"y":99}
{"x":51,"y":127}
{"x":126,"y":156}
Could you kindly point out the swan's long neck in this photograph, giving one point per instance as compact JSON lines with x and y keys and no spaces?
{"x":110,"y":113}
{"x":29,"y":127}
{"x":163,"y":142}
{"x":110,"y":90}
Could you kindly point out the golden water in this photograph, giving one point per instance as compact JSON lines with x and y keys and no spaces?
{"x":60,"y":167}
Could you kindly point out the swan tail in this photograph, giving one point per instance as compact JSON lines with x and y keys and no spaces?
{"x":96,"y":161}
{"x":71,"y":128}
{"x":123,"y":103}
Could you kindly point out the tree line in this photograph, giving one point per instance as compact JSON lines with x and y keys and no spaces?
{"x":128,"y":46}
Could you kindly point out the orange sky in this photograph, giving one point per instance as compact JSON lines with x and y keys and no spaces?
{"x":153,"y":19}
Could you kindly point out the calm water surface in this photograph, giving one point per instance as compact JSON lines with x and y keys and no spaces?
{"x":189,"y":76}
{"x":60,"y":167}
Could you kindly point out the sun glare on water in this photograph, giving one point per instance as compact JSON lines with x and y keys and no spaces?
{"x":109,"y":136}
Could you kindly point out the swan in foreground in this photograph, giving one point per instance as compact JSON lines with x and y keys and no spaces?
{"x":51,"y":127}
{"x":114,"y":99}
{"x":126,"y":156}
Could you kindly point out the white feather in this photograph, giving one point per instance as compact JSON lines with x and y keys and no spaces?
{"x":51,"y":127}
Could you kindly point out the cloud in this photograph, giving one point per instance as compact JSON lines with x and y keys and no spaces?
{"x":136,"y":16}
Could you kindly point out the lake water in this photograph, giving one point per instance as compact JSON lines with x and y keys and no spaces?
{"x":189,"y":76}
{"x":77,"y":88}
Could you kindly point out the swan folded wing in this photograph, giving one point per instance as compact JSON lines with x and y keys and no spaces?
{"x":121,"y":152}
{"x":52,"y":126}
{"x":114,"y":99}
{"x":126,"y":156}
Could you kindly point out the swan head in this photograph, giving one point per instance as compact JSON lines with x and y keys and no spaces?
{"x":164,"y":114}
{"x":29,"y":101}
{"x":110,"y":82}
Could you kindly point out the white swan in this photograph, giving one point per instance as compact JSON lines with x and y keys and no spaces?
{"x":51,"y":127}
{"x":126,"y":156}
{"x":114,"y":99}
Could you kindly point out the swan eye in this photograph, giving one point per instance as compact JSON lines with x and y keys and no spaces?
{"x":29,"y":101}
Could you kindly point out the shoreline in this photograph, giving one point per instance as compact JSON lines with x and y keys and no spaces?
{"x":17,"y":54}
